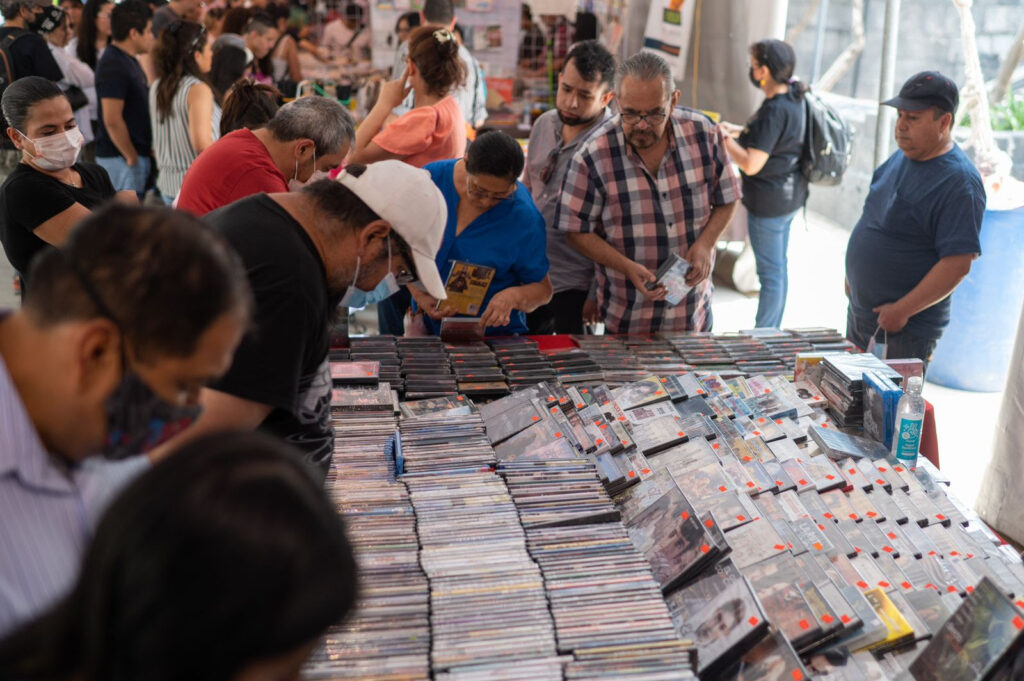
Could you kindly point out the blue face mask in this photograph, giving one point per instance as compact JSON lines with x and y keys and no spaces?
{"x":358,"y":298}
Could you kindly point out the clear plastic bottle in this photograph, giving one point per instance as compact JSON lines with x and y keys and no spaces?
{"x":906,"y":440}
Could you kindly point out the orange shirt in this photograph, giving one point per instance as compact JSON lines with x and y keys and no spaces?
{"x":426,"y":134}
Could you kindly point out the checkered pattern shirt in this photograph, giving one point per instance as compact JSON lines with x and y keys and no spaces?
{"x":608,"y":191}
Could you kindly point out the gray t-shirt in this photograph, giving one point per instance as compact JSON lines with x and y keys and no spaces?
{"x":570,"y":269}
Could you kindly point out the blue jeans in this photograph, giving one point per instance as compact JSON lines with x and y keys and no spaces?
{"x":769,"y":237}
{"x":123,"y":176}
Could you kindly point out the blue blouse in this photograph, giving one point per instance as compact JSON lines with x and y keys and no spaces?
{"x":510,"y":237}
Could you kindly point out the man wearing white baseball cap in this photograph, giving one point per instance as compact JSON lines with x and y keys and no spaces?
{"x":350,"y":241}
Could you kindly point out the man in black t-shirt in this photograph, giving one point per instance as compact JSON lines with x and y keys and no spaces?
{"x":124,"y":137}
{"x":303,"y":251}
{"x":29,"y":55}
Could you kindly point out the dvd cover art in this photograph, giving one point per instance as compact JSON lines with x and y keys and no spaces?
{"x":467,"y":286}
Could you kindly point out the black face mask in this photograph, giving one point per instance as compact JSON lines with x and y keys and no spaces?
{"x":36,"y":22}
{"x":754,"y":81}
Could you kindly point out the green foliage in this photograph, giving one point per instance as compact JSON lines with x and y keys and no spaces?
{"x":1006,"y":116}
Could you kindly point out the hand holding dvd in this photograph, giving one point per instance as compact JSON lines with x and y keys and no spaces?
{"x":645,"y":281}
{"x":499,"y":309}
{"x":428,"y":304}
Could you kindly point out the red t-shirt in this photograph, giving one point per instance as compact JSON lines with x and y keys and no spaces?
{"x":235,"y":166}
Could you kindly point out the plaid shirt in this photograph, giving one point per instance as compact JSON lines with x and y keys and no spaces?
{"x":608,"y":191}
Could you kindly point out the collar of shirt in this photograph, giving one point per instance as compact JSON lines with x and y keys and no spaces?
{"x":22,"y":453}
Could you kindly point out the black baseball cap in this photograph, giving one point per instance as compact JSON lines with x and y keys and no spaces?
{"x":926,"y":89}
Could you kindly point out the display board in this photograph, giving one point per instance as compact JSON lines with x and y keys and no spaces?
{"x":669,"y":29}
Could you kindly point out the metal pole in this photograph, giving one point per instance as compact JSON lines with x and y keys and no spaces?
{"x":819,"y":40}
{"x":883,"y":131}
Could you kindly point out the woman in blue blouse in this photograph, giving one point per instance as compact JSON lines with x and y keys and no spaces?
{"x":492,"y":221}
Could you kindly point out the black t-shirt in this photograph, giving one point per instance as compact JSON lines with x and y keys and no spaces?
{"x":777,"y":128}
{"x":28,"y":198}
{"x":30,"y":56}
{"x":283,"y":361}
{"x":119,"y":76}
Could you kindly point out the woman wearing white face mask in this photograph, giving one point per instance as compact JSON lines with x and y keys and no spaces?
{"x":51,"y":189}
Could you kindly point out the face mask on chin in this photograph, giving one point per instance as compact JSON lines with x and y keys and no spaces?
{"x":139,"y":420}
{"x":358,"y":298}
{"x":55,"y":152}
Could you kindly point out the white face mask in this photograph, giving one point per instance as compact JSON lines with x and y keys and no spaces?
{"x":56,"y":152}
{"x":295,"y":184}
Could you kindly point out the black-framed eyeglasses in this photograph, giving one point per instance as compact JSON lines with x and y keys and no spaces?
{"x":653,"y":119}
{"x":196,"y":42}
{"x":405,"y":275}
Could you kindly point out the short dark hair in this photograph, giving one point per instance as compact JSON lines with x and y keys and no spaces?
{"x":411,"y":18}
{"x":225,"y":553}
{"x":435,"y":52}
{"x":260,"y":22}
{"x":593,"y":61}
{"x":438,"y":11}
{"x":130,"y":14}
{"x":24,"y":93}
{"x":163,"y":276}
{"x":496,"y":154}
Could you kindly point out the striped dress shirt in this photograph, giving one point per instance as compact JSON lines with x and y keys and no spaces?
{"x":608,"y":191}
{"x":48,"y":510}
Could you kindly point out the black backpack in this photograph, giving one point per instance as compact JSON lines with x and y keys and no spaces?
{"x":7,"y":75}
{"x":828,"y":143}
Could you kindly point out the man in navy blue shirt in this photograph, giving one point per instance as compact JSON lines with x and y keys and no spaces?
{"x":124,"y":137}
{"x":919,"y":231}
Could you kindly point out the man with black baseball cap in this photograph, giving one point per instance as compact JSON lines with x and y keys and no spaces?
{"x":919,"y":231}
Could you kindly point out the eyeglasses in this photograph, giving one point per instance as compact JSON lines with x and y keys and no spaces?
{"x":476,"y":192}
{"x":653,"y":119}
{"x":408,"y":275}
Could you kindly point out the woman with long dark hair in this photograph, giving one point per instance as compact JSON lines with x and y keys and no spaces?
{"x":768,"y":150}
{"x":180,"y":102}
{"x":224,"y":561}
{"x":93,"y":32}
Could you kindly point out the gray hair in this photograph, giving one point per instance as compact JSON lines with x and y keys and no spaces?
{"x":320,"y":119}
{"x":9,"y":8}
{"x":645,"y":66}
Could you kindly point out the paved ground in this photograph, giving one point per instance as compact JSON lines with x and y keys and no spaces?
{"x":965,"y":421}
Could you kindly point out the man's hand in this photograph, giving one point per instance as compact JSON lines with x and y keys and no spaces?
{"x":891,"y":317}
{"x":428,"y":304}
{"x":641,"y":276}
{"x":394,"y":92}
{"x":591,"y":313}
{"x":699,"y":257}
{"x":499,"y":310}
{"x":846,"y":286}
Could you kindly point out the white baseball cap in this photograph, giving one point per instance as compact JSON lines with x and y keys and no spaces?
{"x":407,"y":198}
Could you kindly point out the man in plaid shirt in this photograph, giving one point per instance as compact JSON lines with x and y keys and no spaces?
{"x":654,"y":180}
